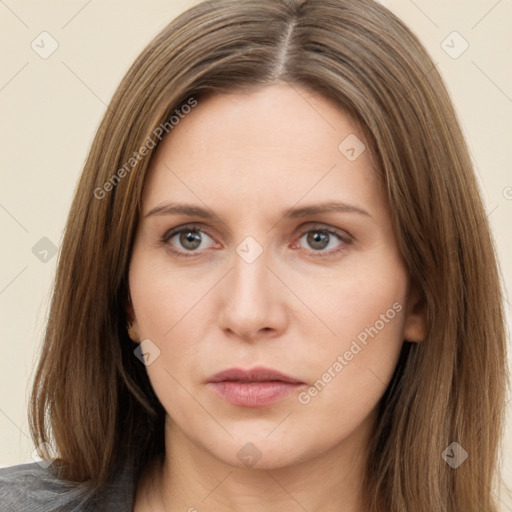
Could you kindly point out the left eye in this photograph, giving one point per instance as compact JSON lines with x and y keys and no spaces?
{"x":321,"y":239}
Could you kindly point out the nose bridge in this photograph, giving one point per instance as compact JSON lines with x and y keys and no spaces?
{"x":249,"y":279}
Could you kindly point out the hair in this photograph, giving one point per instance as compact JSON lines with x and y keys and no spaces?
{"x":91,"y":397}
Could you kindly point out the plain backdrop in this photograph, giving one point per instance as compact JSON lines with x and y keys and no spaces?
{"x":51,"y":108}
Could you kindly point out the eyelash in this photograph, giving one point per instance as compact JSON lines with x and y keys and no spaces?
{"x":346,"y":240}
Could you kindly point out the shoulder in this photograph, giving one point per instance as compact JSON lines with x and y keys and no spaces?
{"x":32,"y":488}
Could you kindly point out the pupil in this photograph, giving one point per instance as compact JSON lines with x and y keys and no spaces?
{"x":318,"y":240}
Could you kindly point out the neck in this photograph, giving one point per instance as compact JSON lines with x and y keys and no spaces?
{"x":189,"y":478}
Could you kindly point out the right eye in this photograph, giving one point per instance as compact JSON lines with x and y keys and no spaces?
{"x":187,"y":239}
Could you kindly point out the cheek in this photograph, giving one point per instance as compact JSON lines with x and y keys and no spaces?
{"x":354,"y":366}
{"x":171,"y":311}
{"x":164,"y":296}
{"x":164,"y":307}
{"x":365,"y":290}
{"x":364,"y":314}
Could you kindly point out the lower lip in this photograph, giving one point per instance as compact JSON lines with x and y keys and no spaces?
{"x":253,"y":394}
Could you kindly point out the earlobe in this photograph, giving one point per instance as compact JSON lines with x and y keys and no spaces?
{"x":415,"y":326}
{"x":132,"y":323}
{"x":132,"y":332}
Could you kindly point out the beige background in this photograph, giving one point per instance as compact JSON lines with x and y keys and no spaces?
{"x":52,"y":107}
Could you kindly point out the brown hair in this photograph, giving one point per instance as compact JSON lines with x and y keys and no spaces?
{"x":91,"y":396}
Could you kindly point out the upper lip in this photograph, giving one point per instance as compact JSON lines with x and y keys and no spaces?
{"x":258,"y":374}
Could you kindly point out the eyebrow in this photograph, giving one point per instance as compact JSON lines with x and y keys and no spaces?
{"x":293,"y":213}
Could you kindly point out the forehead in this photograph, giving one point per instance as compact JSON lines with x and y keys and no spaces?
{"x":254,"y":149}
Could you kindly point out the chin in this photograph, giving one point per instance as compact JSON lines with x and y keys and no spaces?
{"x":258,"y":452}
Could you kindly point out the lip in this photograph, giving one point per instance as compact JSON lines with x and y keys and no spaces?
{"x":255,"y":387}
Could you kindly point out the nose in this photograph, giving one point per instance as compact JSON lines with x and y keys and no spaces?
{"x":253,"y":301}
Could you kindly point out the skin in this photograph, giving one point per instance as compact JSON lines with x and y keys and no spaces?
{"x":250,"y":157}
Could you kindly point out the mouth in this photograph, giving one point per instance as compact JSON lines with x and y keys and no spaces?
{"x":256,"y":387}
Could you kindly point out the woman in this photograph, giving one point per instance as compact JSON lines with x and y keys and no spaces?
{"x":277,"y":288}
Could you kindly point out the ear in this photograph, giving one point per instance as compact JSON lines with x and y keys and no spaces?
{"x":415,"y":327}
{"x":132,"y":326}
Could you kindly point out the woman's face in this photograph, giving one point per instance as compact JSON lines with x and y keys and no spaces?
{"x":286,"y":260}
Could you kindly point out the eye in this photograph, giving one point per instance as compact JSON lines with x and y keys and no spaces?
{"x":325,"y":241}
{"x":189,"y":239}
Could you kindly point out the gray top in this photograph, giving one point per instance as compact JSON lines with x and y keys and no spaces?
{"x":32,"y":488}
